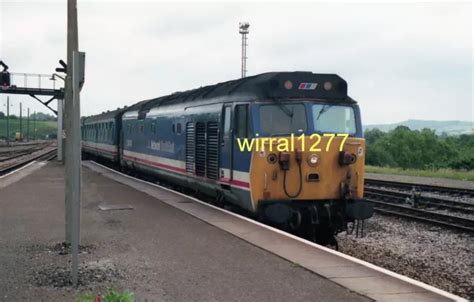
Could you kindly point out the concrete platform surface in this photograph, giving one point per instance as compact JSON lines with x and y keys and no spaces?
{"x":357,"y":275}
{"x":154,"y":250}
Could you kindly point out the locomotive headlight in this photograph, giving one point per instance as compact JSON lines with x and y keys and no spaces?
{"x":288,"y":84}
{"x":313,"y":160}
{"x":327,"y":85}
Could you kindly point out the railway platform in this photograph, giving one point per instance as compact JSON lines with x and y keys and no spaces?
{"x":165,"y":246}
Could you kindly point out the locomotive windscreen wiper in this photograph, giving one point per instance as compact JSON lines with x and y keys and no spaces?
{"x":323,"y":110}
{"x":284,"y":108}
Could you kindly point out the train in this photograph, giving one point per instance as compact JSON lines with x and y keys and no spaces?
{"x":285,"y":147}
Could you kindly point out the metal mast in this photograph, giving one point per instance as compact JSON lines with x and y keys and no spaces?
{"x":244,"y":30}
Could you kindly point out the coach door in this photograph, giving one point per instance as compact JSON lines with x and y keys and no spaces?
{"x":226,"y":144}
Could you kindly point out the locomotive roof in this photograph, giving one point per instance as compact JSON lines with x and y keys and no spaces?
{"x":108,"y":115}
{"x":272,"y":85}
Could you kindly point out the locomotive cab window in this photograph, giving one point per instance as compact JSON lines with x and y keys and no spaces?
{"x":334,"y":118}
{"x":282,"y":119}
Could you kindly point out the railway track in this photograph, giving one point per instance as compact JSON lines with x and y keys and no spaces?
{"x":444,"y":220}
{"x":16,"y":164}
{"x":415,"y":206}
{"x":422,"y":201}
{"x":420,"y":187}
{"x":10,"y":153}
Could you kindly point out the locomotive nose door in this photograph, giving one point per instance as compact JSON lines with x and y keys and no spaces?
{"x":225,"y":173}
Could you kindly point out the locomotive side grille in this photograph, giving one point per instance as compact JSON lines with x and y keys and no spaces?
{"x":212,"y":160}
{"x":190,"y":147}
{"x":200,"y":149}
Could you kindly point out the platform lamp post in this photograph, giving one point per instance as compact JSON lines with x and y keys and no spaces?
{"x":244,"y":30}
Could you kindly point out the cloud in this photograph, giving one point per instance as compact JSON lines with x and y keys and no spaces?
{"x":401,"y":60}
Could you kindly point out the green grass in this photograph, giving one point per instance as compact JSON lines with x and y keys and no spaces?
{"x":43,"y":128}
{"x":441,"y":173}
{"x":109,"y":296}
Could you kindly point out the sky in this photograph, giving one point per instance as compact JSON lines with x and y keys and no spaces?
{"x":402,"y":60}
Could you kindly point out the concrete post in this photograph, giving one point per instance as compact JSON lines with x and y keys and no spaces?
{"x":60,"y":130}
{"x":28,"y":125}
{"x":75,"y":176}
{"x":21,"y":128}
{"x":8,"y":120}
{"x":72,"y":45}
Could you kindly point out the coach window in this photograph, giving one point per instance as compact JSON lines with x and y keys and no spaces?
{"x":178,"y":128}
{"x":241,"y":121}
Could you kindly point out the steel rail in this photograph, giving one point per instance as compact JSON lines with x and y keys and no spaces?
{"x":455,"y":222}
{"x":420,"y":187}
{"x":16,"y":165}
{"x":12,"y":154}
{"x":439,"y":203}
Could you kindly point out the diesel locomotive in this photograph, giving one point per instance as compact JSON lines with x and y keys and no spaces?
{"x":311,"y":184}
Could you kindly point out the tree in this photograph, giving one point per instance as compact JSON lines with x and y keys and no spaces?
{"x":423,"y":149}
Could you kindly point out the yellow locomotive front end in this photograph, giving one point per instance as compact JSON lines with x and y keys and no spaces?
{"x":310,"y":184}
{"x":312,"y":168}
{"x":307,"y":167}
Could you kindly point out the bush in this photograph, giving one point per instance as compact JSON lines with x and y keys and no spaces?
{"x":404,"y":148}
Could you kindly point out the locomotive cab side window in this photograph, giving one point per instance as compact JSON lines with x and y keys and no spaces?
{"x":241,"y":121}
{"x":227,"y":119}
{"x":178,"y":128}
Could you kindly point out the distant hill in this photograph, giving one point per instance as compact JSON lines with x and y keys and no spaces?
{"x":448,"y":127}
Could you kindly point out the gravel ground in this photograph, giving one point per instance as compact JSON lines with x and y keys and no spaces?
{"x":429,"y":254}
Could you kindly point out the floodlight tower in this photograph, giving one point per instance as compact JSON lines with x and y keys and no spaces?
{"x":244,"y":30}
